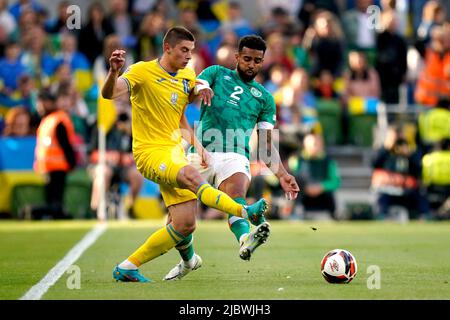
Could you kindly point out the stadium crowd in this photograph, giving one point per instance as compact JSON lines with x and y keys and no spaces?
{"x":332,"y":59}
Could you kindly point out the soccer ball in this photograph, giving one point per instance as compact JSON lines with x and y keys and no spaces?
{"x":338,"y":266}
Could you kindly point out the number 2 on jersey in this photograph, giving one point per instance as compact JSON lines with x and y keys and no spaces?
{"x":237,"y":91}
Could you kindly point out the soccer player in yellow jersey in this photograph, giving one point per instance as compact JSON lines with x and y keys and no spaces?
{"x":159,"y":92}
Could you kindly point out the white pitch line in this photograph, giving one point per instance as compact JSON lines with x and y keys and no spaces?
{"x":38,"y":290}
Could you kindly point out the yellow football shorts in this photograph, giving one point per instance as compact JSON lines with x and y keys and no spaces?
{"x":161,"y":165}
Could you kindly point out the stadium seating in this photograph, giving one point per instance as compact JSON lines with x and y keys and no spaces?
{"x":330,"y":119}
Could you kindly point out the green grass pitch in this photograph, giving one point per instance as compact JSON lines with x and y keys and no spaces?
{"x":414,"y":260}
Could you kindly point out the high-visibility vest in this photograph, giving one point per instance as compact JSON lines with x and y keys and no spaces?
{"x":434,"y":81}
{"x":434,"y":125}
{"x":436,"y":168}
{"x":49,"y":154}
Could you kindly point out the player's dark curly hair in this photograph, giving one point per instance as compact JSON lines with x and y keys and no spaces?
{"x":252,"y":42}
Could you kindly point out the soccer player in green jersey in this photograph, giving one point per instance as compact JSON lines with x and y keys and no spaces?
{"x":235,"y":105}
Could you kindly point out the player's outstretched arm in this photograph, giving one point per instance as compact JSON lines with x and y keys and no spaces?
{"x":201,"y":91}
{"x":114,"y":86}
{"x":272,"y":160}
{"x":188,"y":134}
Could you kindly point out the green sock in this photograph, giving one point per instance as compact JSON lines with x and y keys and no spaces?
{"x":186,"y":248}
{"x":238,"y":226}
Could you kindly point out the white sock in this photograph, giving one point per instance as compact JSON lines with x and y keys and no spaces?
{"x":241,"y":239}
{"x":127,"y":265}
{"x":191,"y":262}
{"x":244,"y":212}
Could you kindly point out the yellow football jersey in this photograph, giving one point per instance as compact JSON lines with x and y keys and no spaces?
{"x":158,"y":99}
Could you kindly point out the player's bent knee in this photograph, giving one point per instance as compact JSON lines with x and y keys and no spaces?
{"x":185,"y":228}
{"x":189,"y":177}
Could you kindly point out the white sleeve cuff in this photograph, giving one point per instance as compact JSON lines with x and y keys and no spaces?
{"x":265,"y":125}
{"x":201,"y":84}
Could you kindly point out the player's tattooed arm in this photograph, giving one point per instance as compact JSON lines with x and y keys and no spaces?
{"x":202,"y":91}
{"x":271,"y":158}
{"x":188,"y":134}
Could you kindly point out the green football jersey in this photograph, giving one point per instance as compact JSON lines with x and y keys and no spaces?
{"x":237,"y":106}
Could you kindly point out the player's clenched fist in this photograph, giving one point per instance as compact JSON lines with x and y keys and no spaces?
{"x":117,"y":60}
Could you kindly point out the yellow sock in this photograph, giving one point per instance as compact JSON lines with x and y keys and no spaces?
{"x":157,"y":244}
{"x":218,"y":200}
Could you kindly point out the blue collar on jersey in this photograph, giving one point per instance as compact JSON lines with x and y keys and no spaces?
{"x":173,"y":74}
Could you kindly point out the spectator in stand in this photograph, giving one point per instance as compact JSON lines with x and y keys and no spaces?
{"x":391,"y":62}
{"x":324,"y":86}
{"x":295,"y":49}
{"x":396,"y":177}
{"x":40,"y":64}
{"x":69,"y":53}
{"x":28,"y":19}
{"x":276,"y":52}
{"x":150,"y":36}
{"x":7,"y":21}
{"x":311,"y":7}
{"x":187,"y":17}
{"x":18,"y":8}
{"x":24,"y":95}
{"x":433,"y":15}
{"x":360,"y":79}
{"x":280,"y":21}
{"x":317,"y":174}
{"x":236,"y":21}
{"x":140,"y":8}
{"x":11,"y":67}
{"x":304,"y":100}
{"x":278,"y":74}
{"x":436,"y":178}
{"x":324,"y":41}
{"x":359,"y":34}
{"x":360,"y":82}
{"x":124,"y":25}
{"x":59,"y":24}
{"x":18,"y":123}
{"x":434,"y":82}
{"x":90,"y":41}
{"x":225,"y":56}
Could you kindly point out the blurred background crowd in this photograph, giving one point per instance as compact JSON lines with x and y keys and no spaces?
{"x":362,"y":89}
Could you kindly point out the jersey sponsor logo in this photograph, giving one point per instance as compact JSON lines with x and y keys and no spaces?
{"x":255,"y":92}
{"x":160,"y":80}
{"x":174,"y":97}
{"x":227,"y":78}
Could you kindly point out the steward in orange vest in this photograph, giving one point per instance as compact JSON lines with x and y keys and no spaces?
{"x":52,"y":154}
{"x":434,"y":81}
{"x":55,"y":155}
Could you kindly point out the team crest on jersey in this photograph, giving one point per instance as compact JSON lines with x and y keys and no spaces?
{"x":255,"y":92}
{"x":174,"y":98}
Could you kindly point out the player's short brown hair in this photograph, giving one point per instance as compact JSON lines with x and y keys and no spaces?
{"x":177,"y":34}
